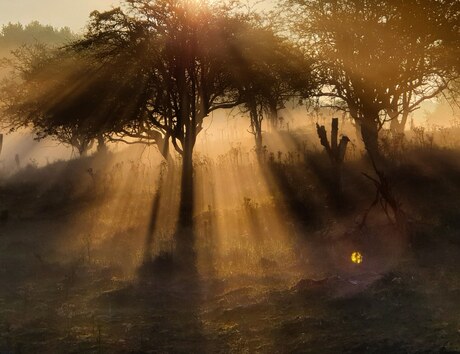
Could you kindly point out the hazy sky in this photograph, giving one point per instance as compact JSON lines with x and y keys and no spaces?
{"x":58,"y":13}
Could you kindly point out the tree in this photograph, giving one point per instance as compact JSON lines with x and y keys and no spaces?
{"x":268,"y":71}
{"x":34,"y":63}
{"x":150,"y":72}
{"x":15,"y":35}
{"x":380,"y":58}
{"x":176,"y":57}
{"x":48,"y":95}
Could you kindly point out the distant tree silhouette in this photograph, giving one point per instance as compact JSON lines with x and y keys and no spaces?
{"x":29,"y":49}
{"x":15,"y":35}
{"x":47,"y":95}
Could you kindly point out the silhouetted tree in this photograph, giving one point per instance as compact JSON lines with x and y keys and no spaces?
{"x":25,"y":47}
{"x":380,"y":58}
{"x":177,"y":55}
{"x":150,"y":72}
{"x":268,"y":71}
{"x":47,"y":94}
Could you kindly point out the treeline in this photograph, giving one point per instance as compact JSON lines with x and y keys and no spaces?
{"x":14,"y":35}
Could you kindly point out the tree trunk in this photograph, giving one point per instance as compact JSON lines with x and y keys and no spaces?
{"x":83,"y":145}
{"x":186,"y":202}
{"x":185,"y":238}
{"x":273,"y":115}
{"x":83,"y":152}
{"x":397,"y":127}
{"x":101,"y":146}
{"x":259,"y":142}
{"x":369,"y":134}
{"x":256,"y":126}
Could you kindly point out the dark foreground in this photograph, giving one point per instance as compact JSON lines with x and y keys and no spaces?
{"x":78,"y":296}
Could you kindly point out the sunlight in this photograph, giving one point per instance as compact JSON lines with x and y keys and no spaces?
{"x":217,"y":177}
{"x":238,"y":217}
{"x":356,"y":257}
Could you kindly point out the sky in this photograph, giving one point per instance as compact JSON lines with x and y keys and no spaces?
{"x":58,"y":13}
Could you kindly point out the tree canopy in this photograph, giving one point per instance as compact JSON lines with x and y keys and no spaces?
{"x":380,"y":58}
{"x":152,"y":71}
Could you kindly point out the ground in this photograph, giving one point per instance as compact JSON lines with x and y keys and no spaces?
{"x":64,"y":292}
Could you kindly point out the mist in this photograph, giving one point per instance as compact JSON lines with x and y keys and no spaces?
{"x":185,"y":176}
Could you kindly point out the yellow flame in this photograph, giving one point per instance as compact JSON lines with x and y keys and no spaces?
{"x":356,"y":257}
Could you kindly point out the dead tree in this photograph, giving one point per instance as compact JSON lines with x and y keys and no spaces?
{"x":335,"y":150}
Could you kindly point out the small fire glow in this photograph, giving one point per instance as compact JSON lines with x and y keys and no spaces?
{"x":356,"y":257}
